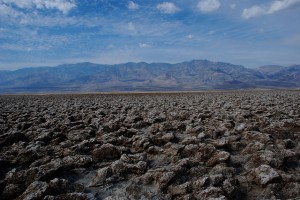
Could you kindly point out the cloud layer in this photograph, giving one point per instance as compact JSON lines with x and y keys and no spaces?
{"x":112,"y":31}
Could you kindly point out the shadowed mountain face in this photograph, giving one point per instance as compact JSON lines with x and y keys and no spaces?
{"x":193,"y":75}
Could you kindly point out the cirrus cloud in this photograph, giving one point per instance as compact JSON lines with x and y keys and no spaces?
{"x":6,"y":11}
{"x":62,"y":5}
{"x":168,"y":8}
{"x":275,"y":6}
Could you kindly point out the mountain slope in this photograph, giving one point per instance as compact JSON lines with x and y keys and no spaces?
{"x":290,"y":74}
{"x":270,"y":69}
{"x":192,"y":75}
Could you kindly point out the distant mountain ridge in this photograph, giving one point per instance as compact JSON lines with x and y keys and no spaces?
{"x":192,"y":75}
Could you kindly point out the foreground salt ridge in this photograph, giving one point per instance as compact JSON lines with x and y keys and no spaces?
{"x":242,"y":145}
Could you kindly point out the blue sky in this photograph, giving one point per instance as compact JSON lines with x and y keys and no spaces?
{"x":51,"y":32}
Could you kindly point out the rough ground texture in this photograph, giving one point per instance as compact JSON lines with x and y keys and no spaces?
{"x":230,"y":145}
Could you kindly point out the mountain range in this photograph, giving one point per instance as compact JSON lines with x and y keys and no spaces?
{"x":192,"y":75}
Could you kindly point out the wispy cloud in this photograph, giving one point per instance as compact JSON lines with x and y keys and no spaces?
{"x":189,"y":36}
{"x":131,"y":27}
{"x":43,"y":21}
{"x":207,"y":6}
{"x":6,"y":11}
{"x":113,"y":31}
{"x":275,"y":6}
{"x":233,"y":6}
{"x":35,"y":12}
{"x":254,"y":11}
{"x":167,"y":7}
{"x":62,"y":5}
{"x":211,"y":32}
{"x":31,"y":40}
{"x":144,"y":45}
{"x":132,"y":6}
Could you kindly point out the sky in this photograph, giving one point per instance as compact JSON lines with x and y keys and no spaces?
{"x":52,"y":32}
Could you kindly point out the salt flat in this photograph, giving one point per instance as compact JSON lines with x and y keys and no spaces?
{"x":199,"y":145}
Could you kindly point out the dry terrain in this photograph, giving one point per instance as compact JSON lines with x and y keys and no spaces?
{"x":206,"y":145}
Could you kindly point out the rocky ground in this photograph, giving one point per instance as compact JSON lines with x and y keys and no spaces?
{"x":210,"y":145}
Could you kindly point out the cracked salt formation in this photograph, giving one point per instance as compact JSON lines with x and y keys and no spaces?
{"x":224,"y":145}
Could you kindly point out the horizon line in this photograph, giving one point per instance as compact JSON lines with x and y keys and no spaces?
{"x":139,"y":62}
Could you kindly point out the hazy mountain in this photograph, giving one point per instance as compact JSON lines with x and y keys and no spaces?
{"x":193,"y":75}
{"x":270,"y":69}
{"x":290,"y":74}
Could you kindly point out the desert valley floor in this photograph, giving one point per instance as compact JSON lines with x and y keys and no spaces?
{"x":200,"y":145}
